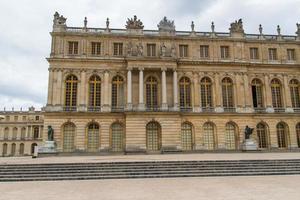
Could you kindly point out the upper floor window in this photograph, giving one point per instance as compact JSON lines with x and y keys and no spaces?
{"x":257,"y":97}
{"x":227,"y":93}
{"x":295,"y":93}
{"x":37,"y":118}
{"x":183,"y":50}
{"x":16,"y":118}
{"x":151,"y":50}
{"x":224,"y":52}
{"x":206,"y":92}
{"x":7,"y":118}
{"x":95,"y":91}
{"x":204,"y":51}
{"x":185,"y":93}
{"x":96,"y":48}
{"x":151,"y":92}
{"x":24,"y":118}
{"x":276,"y":93}
{"x":117,"y":96}
{"x":291,"y":54}
{"x":118,"y":49}
{"x":254,"y":53}
{"x":73,"y":48}
{"x":71,"y":91}
{"x":272,"y":54}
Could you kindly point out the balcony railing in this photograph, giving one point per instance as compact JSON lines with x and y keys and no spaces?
{"x":296,"y":110}
{"x":259,"y":110}
{"x":94,"y":108}
{"x":117,"y":108}
{"x":229,"y":109}
{"x":186,"y":109}
{"x":279,"y":110}
{"x":208,"y":109}
{"x":70,"y":108}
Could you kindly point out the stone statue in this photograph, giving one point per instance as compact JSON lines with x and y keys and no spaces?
{"x":134,"y":23}
{"x":212,"y":27}
{"x":85,"y":22}
{"x":278,"y":30}
{"x":166,"y":25}
{"x":193,"y":26}
{"x":140,"y":49}
{"x":129,"y":49}
{"x":260,"y":29}
{"x":59,"y":19}
{"x":163,"y":49}
{"x":298,"y":30}
{"x":237,"y":27}
{"x":248,"y":132}
{"x":50,"y":133}
{"x":107,"y":23}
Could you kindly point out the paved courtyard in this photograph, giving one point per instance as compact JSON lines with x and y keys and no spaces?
{"x":212,"y":188}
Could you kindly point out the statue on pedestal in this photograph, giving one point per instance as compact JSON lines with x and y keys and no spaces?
{"x":248,"y":132}
{"x":50,"y":133}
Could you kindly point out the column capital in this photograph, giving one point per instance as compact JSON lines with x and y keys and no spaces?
{"x":129,"y":68}
{"x":141,"y":68}
{"x":163,"y":68}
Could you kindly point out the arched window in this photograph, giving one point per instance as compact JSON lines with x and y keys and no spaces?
{"x":117,"y":137}
{"x":276,"y":93}
{"x":262,"y":135}
{"x":95,"y":93}
{"x":151,"y":92}
{"x":227,"y":93}
{"x":71,"y":93}
{"x":185,"y":93}
{"x":36,"y":132}
{"x":187,"y":136}
{"x":4,"y":149}
{"x":295,"y":90}
{"x":13,"y":149}
{"x":208,"y":136}
{"x":21,"y":150}
{"x":23,"y":133}
{"x":153,"y":135}
{"x":15,"y":133}
{"x":6,"y":133}
{"x":206,"y":92}
{"x":33,"y":145}
{"x":117,"y":97}
{"x":68,"y":137}
{"x":257,"y":97}
{"x":93,"y":137}
{"x":231,"y":136}
{"x":298,"y":134}
{"x":282,"y":135}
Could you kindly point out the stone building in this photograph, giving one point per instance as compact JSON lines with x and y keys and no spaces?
{"x":20,"y":132}
{"x":136,"y":90}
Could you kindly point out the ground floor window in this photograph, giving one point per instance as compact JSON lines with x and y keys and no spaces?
{"x":230,"y":136}
{"x":4,"y":149}
{"x":93,"y":137}
{"x":13,"y":149}
{"x":117,"y":137}
{"x":186,"y":136}
{"x":298,"y":134}
{"x":21,"y":150}
{"x":262,"y":138}
{"x":68,"y":137}
{"x":208,"y":136}
{"x":32,"y":147}
{"x":282,"y":135}
{"x":153,"y":134}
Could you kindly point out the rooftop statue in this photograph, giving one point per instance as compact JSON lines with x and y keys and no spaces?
{"x":166,"y":25}
{"x":134,"y":23}
{"x":237,"y":26}
{"x":59,"y":19}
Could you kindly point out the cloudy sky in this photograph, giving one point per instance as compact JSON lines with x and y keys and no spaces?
{"x":25,"y":27}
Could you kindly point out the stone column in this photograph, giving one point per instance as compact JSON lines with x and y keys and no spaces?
{"x":247,"y":95}
{"x":164,"y":105}
{"x":218,"y":94}
{"x":57,"y":90}
{"x":141,"y":89}
{"x":268,"y":94}
{"x":82,"y":92}
{"x":106,"y":107}
{"x":50,"y":88}
{"x":175,"y":90}
{"x":129,"y":89}
{"x":196,"y":104}
{"x":287,"y":95}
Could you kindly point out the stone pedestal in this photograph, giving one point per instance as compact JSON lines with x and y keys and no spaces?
{"x":249,"y":145}
{"x":49,"y":147}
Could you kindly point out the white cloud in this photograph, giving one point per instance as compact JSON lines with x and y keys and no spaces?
{"x":25,"y":27}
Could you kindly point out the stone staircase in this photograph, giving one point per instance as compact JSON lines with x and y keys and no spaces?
{"x":151,"y":169}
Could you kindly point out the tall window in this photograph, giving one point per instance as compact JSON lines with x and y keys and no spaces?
{"x":73,"y":48}
{"x":298,"y":134}
{"x":282,"y":135}
{"x":117,"y":92}
{"x":204,"y":51}
{"x":117,"y":137}
{"x":276,"y":93}
{"x":183,"y":50}
{"x":185,"y":93}
{"x":36,"y":131}
{"x":227,"y":93}
{"x":224,"y":52}
{"x":272,"y":54}
{"x":13,"y":149}
{"x":151,"y":92}
{"x":96,"y":48}
{"x":6,"y":133}
{"x":262,"y":136}
{"x":21,"y":150}
{"x":95,"y":93}
{"x":4,"y":149}
{"x":254,"y":53}
{"x":15,"y":133}
{"x":68,"y":137}
{"x":206,"y":93}
{"x":187,"y":136}
{"x":295,"y":93}
{"x":208,"y":136}
{"x":153,"y":136}
{"x":71,"y":92}
{"x":291,"y":54}
{"x":151,"y":50}
{"x":257,"y":98}
{"x":93,"y":137}
{"x":118,"y":49}
{"x":23,"y":133}
{"x":230,"y":136}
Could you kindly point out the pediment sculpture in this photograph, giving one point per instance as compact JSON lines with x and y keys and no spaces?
{"x":134,"y":23}
{"x":59,"y":19}
{"x":237,"y":26}
{"x":166,"y":25}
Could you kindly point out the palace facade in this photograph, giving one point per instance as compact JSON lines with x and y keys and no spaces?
{"x":136,"y":90}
